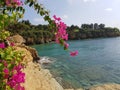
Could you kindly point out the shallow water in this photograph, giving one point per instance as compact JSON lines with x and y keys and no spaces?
{"x":98,"y":62}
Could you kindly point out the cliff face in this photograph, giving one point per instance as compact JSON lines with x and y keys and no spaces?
{"x":40,"y":79}
{"x":37,"y":78}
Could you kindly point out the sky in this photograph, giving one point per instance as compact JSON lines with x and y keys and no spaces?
{"x":77,"y":12}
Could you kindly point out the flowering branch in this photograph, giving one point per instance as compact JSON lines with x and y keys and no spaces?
{"x":61,"y":35}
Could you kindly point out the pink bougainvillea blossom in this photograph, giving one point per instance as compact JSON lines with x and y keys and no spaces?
{"x":61,"y":35}
{"x":73,"y":53}
{"x":17,"y":78}
{"x":17,"y":68}
{"x":19,"y":87}
{"x":8,"y":2}
{"x":6,"y":71}
{"x":61,"y":30}
{"x":56,"y":18}
{"x":12,"y":44}
{"x":2,"y":45}
{"x":15,"y":2}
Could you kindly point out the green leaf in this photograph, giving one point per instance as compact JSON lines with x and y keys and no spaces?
{"x":46,"y":18}
{"x":31,"y":4}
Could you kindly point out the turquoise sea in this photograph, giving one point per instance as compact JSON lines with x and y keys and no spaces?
{"x":98,"y":62}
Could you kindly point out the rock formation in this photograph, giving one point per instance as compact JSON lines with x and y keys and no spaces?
{"x":38,"y":78}
{"x":17,"y":39}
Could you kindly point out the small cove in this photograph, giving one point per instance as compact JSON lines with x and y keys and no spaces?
{"x":98,"y":62}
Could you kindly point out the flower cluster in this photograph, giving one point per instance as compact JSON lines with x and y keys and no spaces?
{"x":17,"y":78}
{"x":13,"y":2}
{"x":13,"y":77}
{"x":11,"y":74}
{"x":74,"y":53}
{"x":61,"y":35}
{"x":2,"y":45}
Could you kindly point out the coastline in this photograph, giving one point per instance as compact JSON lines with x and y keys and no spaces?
{"x":38,"y":78}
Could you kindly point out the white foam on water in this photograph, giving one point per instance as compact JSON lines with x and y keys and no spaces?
{"x":46,"y":60}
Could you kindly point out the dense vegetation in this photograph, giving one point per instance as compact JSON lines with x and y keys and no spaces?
{"x":33,"y":34}
{"x":37,"y":34}
{"x":91,"y":31}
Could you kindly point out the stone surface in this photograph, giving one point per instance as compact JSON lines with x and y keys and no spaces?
{"x":27,"y":57}
{"x":39,"y":79}
{"x":32,"y":51}
{"x":36,"y":78}
{"x":17,"y":39}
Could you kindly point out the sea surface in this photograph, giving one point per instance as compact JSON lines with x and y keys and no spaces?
{"x":98,"y":62}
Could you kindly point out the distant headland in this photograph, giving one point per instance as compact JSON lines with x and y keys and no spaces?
{"x":38,"y":34}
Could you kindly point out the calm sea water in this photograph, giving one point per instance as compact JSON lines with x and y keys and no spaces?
{"x":98,"y":62}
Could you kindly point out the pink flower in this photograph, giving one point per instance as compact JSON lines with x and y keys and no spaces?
{"x":18,"y":68}
{"x":12,"y":2}
{"x":61,"y":33}
{"x":6,"y":76}
{"x":17,"y":78}
{"x":5,"y":63}
{"x":7,"y":2}
{"x":12,"y":44}
{"x":74,"y":53}
{"x":19,"y":87}
{"x":12,"y":83}
{"x":6,"y":71}
{"x":58,"y":19}
{"x":2,"y":45}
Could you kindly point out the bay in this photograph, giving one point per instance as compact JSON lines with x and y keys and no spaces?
{"x":98,"y":62}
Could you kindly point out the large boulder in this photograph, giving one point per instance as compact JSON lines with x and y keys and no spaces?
{"x":19,"y":42}
{"x":39,"y":79}
{"x":32,"y":51}
{"x":27,"y":56}
{"x":17,"y":39}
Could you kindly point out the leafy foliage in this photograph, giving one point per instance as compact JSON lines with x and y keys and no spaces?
{"x":91,"y":31}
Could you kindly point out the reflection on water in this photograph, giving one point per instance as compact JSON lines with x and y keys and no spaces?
{"x":98,"y":62}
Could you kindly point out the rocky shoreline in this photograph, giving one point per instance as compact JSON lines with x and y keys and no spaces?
{"x":38,"y":78}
